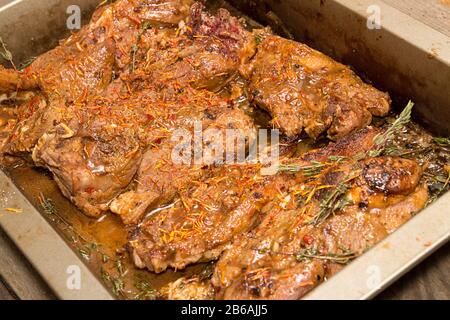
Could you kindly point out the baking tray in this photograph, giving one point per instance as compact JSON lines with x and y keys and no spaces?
{"x":405,"y":57}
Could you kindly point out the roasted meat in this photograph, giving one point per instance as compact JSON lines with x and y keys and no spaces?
{"x":289,"y":253}
{"x":161,"y":177}
{"x":204,"y":219}
{"x":11,"y":80}
{"x":205,"y":52}
{"x":304,"y":90}
{"x":96,"y":151}
{"x":132,"y":114}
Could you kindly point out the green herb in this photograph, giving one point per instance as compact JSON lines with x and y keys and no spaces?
{"x":145,"y":291}
{"x":105,"y":258}
{"x":312,"y":253}
{"x":47,"y":205}
{"x":259,"y":39}
{"x":146,"y":25}
{"x":442,"y":142}
{"x":117,"y":286}
{"x":334,"y":200}
{"x":446,"y":183}
{"x":119,"y":268}
{"x":134,"y":50}
{"x":309,"y":170}
{"x":6,"y":54}
{"x":26,"y":64}
{"x":84,"y":253}
{"x":314,"y":168}
{"x":105,"y":275}
{"x":337,"y":159}
{"x":381,"y":139}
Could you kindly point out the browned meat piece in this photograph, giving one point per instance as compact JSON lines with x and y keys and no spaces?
{"x":65,"y":75}
{"x":89,"y":172}
{"x":201,"y":223}
{"x":192,"y":288}
{"x":84,"y":62}
{"x":126,"y":21}
{"x":160,"y":178}
{"x":209,"y":51}
{"x":306,"y":90}
{"x":205,"y":219}
{"x":81,"y":67}
{"x":288,"y":254}
{"x":158,"y":12}
{"x":94,"y":150}
{"x":11,"y":80}
{"x":35,"y":117}
{"x":72,"y":71}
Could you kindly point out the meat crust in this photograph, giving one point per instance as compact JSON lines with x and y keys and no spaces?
{"x":306,"y":90}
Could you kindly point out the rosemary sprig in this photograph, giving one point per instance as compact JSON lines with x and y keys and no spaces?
{"x":442,"y":142}
{"x":446,"y":183}
{"x":26,"y":64}
{"x":309,"y":170}
{"x":313,"y":169}
{"x":380,"y":140}
{"x":6,"y":54}
{"x":313,"y":253}
{"x":47,"y":205}
{"x":334,"y":201}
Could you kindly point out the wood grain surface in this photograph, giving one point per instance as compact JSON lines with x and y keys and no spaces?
{"x":434,"y":13}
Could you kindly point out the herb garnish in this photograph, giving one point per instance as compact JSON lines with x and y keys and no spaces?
{"x":334,"y":201}
{"x":313,"y":253}
{"x":6,"y":54}
{"x":381,"y":139}
{"x":442,"y":142}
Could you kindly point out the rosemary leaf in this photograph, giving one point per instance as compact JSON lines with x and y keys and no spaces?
{"x":442,"y":142}
{"x":312,"y":253}
{"x":6,"y":54}
{"x":381,"y":139}
{"x":335,"y":200}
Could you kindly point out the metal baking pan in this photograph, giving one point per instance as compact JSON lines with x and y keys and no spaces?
{"x":404,"y":57}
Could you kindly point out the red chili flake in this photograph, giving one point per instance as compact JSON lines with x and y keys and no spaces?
{"x":172,"y":117}
{"x":308,"y":240}
{"x":158,"y":141}
{"x":150,"y":117}
{"x":89,"y":190}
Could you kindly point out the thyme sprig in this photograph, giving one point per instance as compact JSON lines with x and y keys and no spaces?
{"x":335,"y":199}
{"x":145,"y":291}
{"x":6,"y":54}
{"x":309,"y":170}
{"x":381,"y":139}
{"x":314,"y":168}
{"x":442,"y":142}
{"x":312,"y":253}
{"x":26,"y":64}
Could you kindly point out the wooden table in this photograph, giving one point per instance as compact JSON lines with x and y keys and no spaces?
{"x":429,"y":280}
